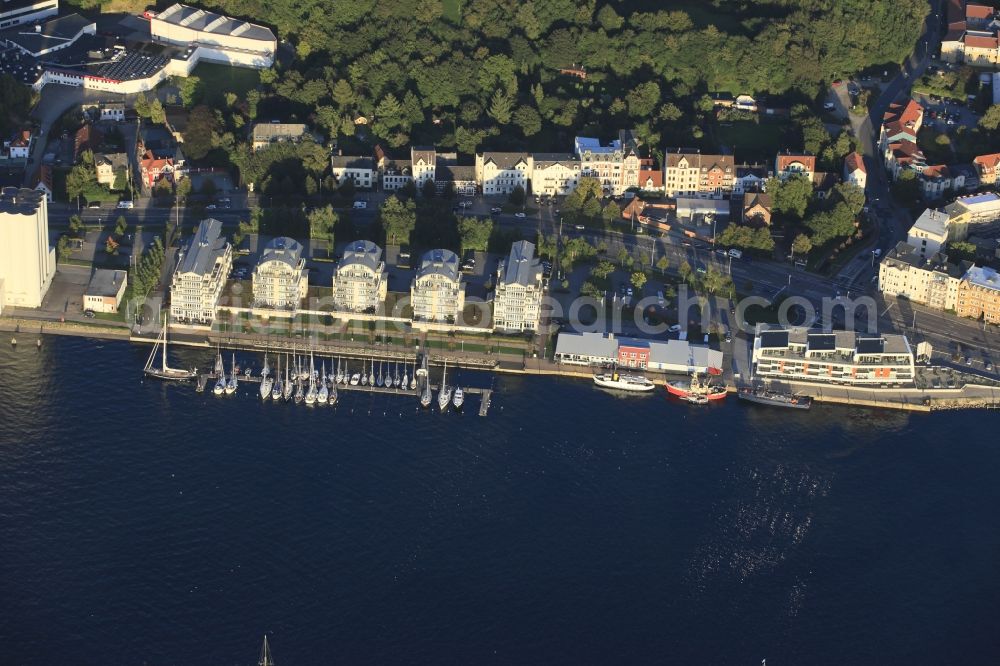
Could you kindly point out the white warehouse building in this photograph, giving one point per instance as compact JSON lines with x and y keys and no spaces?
{"x":27,"y":263}
{"x":219,"y":38}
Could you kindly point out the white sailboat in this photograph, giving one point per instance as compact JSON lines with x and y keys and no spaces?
{"x":413,"y":377}
{"x":276,"y":390}
{"x":364,"y":375}
{"x":339,"y":377}
{"x":163,"y":371}
{"x":379,"y":380}
{"x":371,"y":373}
{"x":444,"y":393}
{"x":233,"y":382}
{"x":266,"y":382}
{"x":288,"y":386}
{"x":300,"y":393}
{"x":265,"y":655}
{"x":324,"y":392}
{"x":397,"y":381}
{"x":404,"y":382}
{"x":220,"y":371}
{"x":311,"y":392}
{"x":333,"y":392}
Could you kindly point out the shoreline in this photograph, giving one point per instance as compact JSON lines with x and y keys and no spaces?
{"x":904,"y":399}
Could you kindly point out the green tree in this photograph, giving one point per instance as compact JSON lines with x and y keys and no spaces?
{"x":397,"y":219}
{"x":199,"y":135}
{"x":516,"y":197}
{"x":528,"y":120}
{"x":801,"y":245}
{"x":792,"y":196}
{"x":500,"y":107}
{"x":474,"y":233}
{"x":157,"y":114}
{"x":190,"y":89}
{"x":121,"y":180}
{"x":638,"y":280}
{"x":322,"y":223}
{"x":76,"y":228}
{"x":962,"y":251}
{"x":662,"y":264}
{"x":63,"y":249}
{"x":182,"y":188}
{"x":990,"y":120}
{"x":684,"y":270}
{"x":642,"y":99}
{"x":141,"y":105}
{"x":602,"y":269}
{"x":121,"y":224}
{"x":611,"y":213}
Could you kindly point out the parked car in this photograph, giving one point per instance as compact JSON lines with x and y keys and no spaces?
{"x":94,"y":204}
{"x":126,"y":204}
{"x":519,"y":215}
{"x":496,"y":209}
{"x":361,"y":204}
{"x":675,"y":328}
{"x":210,"y":207}
{"x":89,"y":314}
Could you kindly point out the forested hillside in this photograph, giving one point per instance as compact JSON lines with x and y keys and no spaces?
{"x":487,"y":71}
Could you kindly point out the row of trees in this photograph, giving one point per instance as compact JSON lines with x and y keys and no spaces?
{"x":146,"y":271}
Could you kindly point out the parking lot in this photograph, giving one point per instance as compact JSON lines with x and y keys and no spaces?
{"x":945,"y":115}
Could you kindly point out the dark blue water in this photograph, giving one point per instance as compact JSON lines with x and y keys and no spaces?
{"x":145,"y":523}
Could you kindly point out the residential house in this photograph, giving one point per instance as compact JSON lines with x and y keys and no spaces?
{"x":396,"y":174}
{"x":359,"y":281}
{"x":578,"y":72}
{"x":938,"y":179}
{"x":554,"y":173}
{"x":423,"y":160}
{"x":650,"y":175}
{"x":518,"y":296}
{"x":201,"y":273}
{"x":979,"y":294}
{"x":106,"y":290}
{"x":904,"y":154}
{"x":978,"y":17}
{"x":979,"y":213}
{"x":965,"y":177}
{"x":615,"y":166}
{"x":19,"y":145}
{"x":838,"y":357}
{"x":42,"y":181}
{"x":757,"y":208}
{"x":353,"y":167}
{"x":855,"y":172}
{"x":988,"y":167}
{"x":929,"y":234}
{"x":501,"y":173}
{"x":900,"y":123}
{"x":750,"y":178}
{"x":981,"y":49}
{"x":438,"y":292}
{"x":112,"y":112}
{"x":280,"y":279}
{"x":153,"y":169}
{"x":691,"y":173}
{"x":461,"y":177}
{"x":107,"y":166}
{"x":264,"y":134}
{"x":789,"y":164}
{"x":928,"y":280}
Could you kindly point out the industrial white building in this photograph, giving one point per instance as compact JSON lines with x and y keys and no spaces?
{"x":280,"y":280}
{"x":105,"y":291}
{"x":601,"y":349}
{"x":18,"y":12}
{"x":219,"y":38}
{"x":517,"y":299}
{"x":359,"y":281}
{"x":27,"y":263}
{"x":201,"y":275}
{"x":438,"y":293}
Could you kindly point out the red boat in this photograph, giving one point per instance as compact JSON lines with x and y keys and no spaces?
{"x":695,"y":390}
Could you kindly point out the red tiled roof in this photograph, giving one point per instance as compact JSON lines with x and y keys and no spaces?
{"x":979,"y":42}
{"x":956,"y":31}
{"x":907,"y":113}
{"x":980,"y":12}
{"x":855,"y":162}
{"x":21,"y":139}
{"x":936,"y":171}
{"x":987,"y":162}
{"x":785,"y":160}
{"x":905,"y":151}
{"x":651,"y":174}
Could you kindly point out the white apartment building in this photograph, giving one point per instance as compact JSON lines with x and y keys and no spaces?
{"x":201,"y":274}
{"x":929,"y":233}
{"x":838,"y":357}
{"x":554,"y":174}
{"x":518,"y":297}
{"x":396,"y":174}
{"x":27,"y":263}
{"x":501,"y":173}
{"x":615,"y":165}
{"x":113,"y":111}
{"x":929,"y":281}
{"x":351,"y":167}
{"x":280,"y":280}
{"x":438,"y":293}
{"x":359,"y":280}
{"x":423,"y":161}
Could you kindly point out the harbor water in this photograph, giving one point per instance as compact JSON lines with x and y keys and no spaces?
{"x":144,"y":523}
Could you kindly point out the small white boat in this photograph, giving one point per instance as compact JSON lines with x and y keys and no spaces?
{"x":266,"y":382}
{"x":371,"y":374}
{"x":333,"y":394}
{"x":624,"y":382}
{"x":413,"y":378}
{"x":444,"y":394}
{"x":233,"y":382}
{"x":364,"y":375}
{"x":300,"y":393}
{"x":323,"y":395}
{"x":459,"y":398}
{"x":355,"y":379}
{"x":404,"y":383}
{"x":379,"y":381}
{"x":396,"y":381}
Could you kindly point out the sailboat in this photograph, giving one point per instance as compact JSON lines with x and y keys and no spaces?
{"x":355,"y":378}
{"x":371,"y":373}
{"x":324,"y":393}
{"x":413,"y":378}
{"x":233,"y":381}
{"x":163,"y":371}
{"x":379,"y":380}
{"x":287,"y":387}
{"x":403,"y":382}
{"x":311,"y":393}
{"x":333,"y":392}
{"x":276,"y":390}
{"x":459,"y":398}
{"x":300,"y":393}
{"x":444,"y":393}
{"x":364,"y":375}
{"x":265,"y":655}
{"x":220,"y":372}
{"x":339,"y":377}
{"x":266,"y":383}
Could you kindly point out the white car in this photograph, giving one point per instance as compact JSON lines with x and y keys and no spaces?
{"x":126,"y":204}
{"x":361,"y":204}
{"x":520,"y":215}
{"x":210,"y":207}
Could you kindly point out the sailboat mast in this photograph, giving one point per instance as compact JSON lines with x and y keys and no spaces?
{"x":166,"y":323}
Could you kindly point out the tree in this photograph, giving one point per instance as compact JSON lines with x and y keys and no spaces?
{"x":190,"y":89}
{"x":428,"y":189}
{"x":638,"y":280}
{"x":342,"y":94}
{"x":322,"y":223}
{"x":609,"y":19}
{"x":474,"y":233}
{"x":611,"y":213}
{"x":397,"y":219}
{"x":76,"y":227}
{"x":528,"y":120}
{"x":121,"y":180}
{"x":121,"y":224}
{"x":684,"y":270}
{"x":801,"y":245}
{"x":642,"y":99}
{"x":500,"y":107}
{"x":162,"y":188}
{"x":662,"y":264}
{"x":157,"y":114}
{"x":516,"y":197}
{"x":828,"y":225}
{"x":142,"y":105}
{"x":183,"y":188}
{"x":63,"y":249}
{"x":791,"y":197}
{"x":199,"y":135}
{"x":991,"y":119}
{"x":80,"y":180}
{"x":962,"y":251}
{"x":602,"y":269}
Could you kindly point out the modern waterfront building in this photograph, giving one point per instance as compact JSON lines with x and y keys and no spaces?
{"x":359,"y":280}
{"x":201,"y":273}
{"x":517,"y":299}
{"x":837,"y":357}
{"x":105,"y":291}
{"x":600,"y":349}
{"x":27,"y":263}
{"x":280,"y":280}
{"x":979,"y":294}
{"x":438,"y":292}
{"x":930,"y":281}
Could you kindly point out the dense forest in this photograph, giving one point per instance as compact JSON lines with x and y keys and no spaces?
{"x":486,"y":72}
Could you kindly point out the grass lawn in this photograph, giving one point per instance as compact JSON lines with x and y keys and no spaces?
{"x":753,"y":142}
{"x":217,"y":80}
